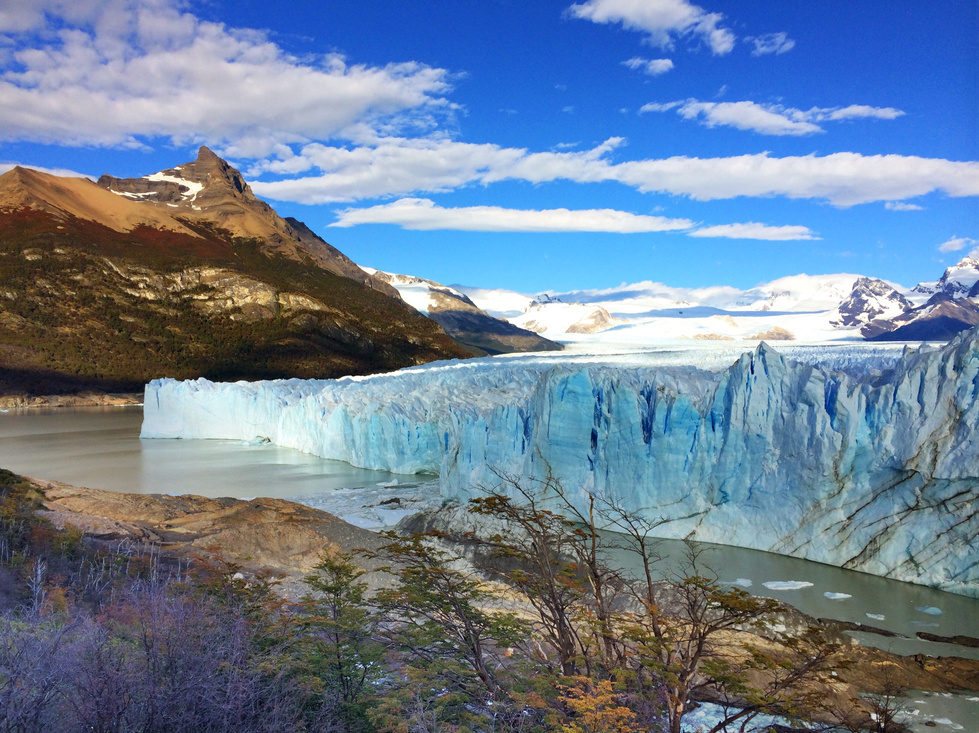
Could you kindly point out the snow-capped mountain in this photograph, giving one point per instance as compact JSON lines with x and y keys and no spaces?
{"x":807,"y":308}
{"x":462,"y":319}
{"x":870,"y":300}
{"x":957,"y":281}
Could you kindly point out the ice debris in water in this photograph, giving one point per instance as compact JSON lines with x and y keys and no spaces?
{"x":837,"y":596}
{"x":787,"y":584}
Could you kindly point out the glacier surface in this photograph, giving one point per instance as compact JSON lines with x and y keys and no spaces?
{"x":858,"y":457}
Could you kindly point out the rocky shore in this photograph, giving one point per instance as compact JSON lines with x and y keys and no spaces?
{"x":82,"y":399}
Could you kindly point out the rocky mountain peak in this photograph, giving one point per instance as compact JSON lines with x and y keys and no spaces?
{"x":869,"y":300}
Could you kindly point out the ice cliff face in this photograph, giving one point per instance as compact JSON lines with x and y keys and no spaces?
{"x":877,"y":472}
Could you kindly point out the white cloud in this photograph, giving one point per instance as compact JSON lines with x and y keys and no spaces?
{"x":843,"y":179}
{"x":399,"y":166}
{"x":662,"y":20}
{"x":115,"y":73}
{"x":900,"y":206}
{"x":768,"y":119}
{"x":771,"y":43}
{"x":424,"y":215}
{"x":652,"y":67}
{"x":754,"y":230}
{"x":956,"y":243}
{"x":855,"y":111}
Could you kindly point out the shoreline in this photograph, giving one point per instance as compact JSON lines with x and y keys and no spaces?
{"x":81,"y":399}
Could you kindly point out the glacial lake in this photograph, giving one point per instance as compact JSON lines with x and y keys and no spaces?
{"x":99,"y":447}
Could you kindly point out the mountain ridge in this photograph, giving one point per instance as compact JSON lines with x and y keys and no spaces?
{"x":103,"y":289}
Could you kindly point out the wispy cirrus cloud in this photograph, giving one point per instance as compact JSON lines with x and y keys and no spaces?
{"x":663,"y":21}
{"x":769,"y":119}
{"x":425,"y":215}
{"x":755,"y":230}
{"x":771,"y":43}
{"x":652,"y":67}
{"x":120,"y":72}
{"x":901,"y":206}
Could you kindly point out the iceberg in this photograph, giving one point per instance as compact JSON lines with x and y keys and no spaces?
{"x":856,"y":459}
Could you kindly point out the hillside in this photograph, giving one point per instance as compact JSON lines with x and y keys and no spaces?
{"x":183,"y":273}
{"x":462,"y":319}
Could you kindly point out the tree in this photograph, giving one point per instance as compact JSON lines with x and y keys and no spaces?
{"x":438,"y":617}
{"x":671,"y":639}
{"x":338,"y":655}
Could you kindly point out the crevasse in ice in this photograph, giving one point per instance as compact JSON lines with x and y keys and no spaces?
{"x":875,"y":469}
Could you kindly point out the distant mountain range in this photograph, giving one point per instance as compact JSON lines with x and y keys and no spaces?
{"x":183,"y":273}
{"x":814,"y":308}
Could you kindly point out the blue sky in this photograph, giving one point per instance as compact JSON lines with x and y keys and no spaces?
{"x":535,"y":146}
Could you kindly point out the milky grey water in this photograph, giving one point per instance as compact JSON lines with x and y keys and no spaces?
{"x":99,"y":447}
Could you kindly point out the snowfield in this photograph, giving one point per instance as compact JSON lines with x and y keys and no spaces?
{"x":861,"y":456}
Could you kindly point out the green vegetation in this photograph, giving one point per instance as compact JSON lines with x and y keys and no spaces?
{"x":117,"y":637}
{"x":83,"y":306}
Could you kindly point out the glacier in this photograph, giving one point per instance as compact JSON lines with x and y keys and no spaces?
{"x":858,"y":457}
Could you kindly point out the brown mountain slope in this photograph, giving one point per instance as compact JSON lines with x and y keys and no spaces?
{"x":80,"y":197}
{"x":208,"y":190}
{"x":100,"y":291}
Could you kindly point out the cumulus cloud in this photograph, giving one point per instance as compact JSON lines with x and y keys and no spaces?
{"x":956,"y":243}
{"x":119,"y":72}
{"x":400,"y":166}
{"x":768,"y":119}
{"x":771,"y":43}
{"x":663,"y":21}
{"x":652,"y":67}
{"x":754,"y":230}
{"x":900,"y":206}
{"x":424,"y":215}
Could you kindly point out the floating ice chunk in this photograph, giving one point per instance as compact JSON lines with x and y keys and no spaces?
{"x":922,"y":624}
{"x":743,"y":582}
{"x":787,"y":584}
{"x":388,"y":484}
{"x":930,"y":610}
{"x":837,"y":596}
{"x":876,"y":616}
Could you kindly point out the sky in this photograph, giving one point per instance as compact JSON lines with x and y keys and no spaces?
{"x":535,"y":146}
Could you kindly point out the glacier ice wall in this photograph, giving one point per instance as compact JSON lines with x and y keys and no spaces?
{"x":877,"y":472}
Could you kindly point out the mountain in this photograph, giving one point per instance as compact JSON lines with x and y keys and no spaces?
{"x":211,"y":192}
{"x":461,"y":318}
{"x":870,"y":300}
{"x":952,"y":306}
{"x":807,"y":308}
{"x":183,"y":273}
